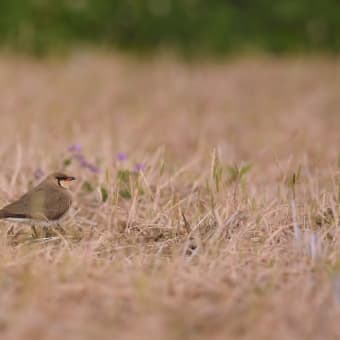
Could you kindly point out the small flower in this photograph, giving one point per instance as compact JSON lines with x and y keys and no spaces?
{"x":76,"y":151}
{"x":138,"y":167}
{"x":38,"y":174}
{"x":86,"y":165}
{"x":94,"y":169}
{"x":83,"y":162}
{"x":121,"y":156}
{"x":74,"y":148}
{"x":79,"y":157}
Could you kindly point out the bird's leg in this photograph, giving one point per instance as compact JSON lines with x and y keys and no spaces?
{"x":17,"y":233}
{"x":60,"y":228}
{"x":10,"y":230}
{"x":46,"y":232}
{"x":35,"y":234}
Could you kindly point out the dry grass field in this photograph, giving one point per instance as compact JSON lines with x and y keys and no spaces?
{"x":206,"y":204}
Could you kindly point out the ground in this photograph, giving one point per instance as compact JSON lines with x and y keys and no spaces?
{"x":206,"y":204}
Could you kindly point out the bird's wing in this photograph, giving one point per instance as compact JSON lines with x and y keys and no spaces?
{"x":30,"y":205}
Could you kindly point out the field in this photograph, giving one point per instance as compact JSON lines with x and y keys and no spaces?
{"x":206,"y":204}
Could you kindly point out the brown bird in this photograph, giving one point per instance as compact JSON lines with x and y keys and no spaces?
{"x":43,"y":205}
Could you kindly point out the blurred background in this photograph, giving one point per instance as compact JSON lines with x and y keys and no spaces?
{"x":189,"y":27}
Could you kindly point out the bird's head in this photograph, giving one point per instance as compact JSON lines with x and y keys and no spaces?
{"x":60,"y":178}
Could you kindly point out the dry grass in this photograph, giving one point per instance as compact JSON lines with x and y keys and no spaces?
{"x":197,"y":252}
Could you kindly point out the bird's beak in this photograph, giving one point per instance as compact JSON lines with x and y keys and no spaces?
{"x":70,"y":178}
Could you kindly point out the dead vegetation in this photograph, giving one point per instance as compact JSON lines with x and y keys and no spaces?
{"x":206,"y":206}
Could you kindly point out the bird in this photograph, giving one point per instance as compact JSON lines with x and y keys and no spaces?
{"x":44,"y":205}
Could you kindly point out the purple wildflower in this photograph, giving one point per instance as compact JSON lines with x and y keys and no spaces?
{"x":83,"y":162}
{"x":38,"y":174}
{"x":138,"y":167}
{"x":121,"y":156}
{"x":74,"y":148}
{"x":94,"y":169}
{"x":79,"y":157}
{"x":76,"y":151}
